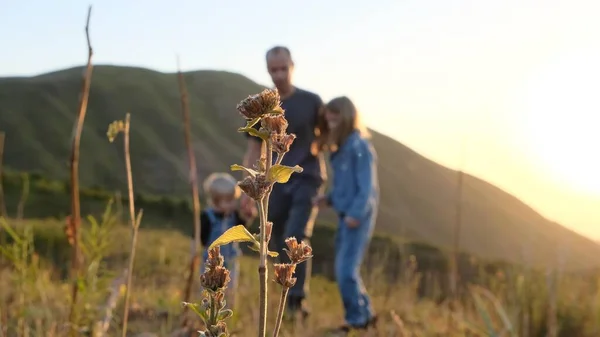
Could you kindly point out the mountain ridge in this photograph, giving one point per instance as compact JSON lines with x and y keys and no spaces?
{"x":418,"y":194}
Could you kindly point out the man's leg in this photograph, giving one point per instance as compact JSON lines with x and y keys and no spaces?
{"x":300,"y":225}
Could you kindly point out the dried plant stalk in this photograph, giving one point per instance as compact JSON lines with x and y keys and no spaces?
{"x":103,"y":324}
{"x":75,"y":207}
{"x":135,"y":223}
{"x":194,"y":263}
{"x":3,"y":212}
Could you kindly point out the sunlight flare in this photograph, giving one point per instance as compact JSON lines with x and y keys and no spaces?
{"x":562,"y":122}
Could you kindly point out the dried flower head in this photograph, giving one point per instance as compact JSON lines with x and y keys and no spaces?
{"x":297,"y":252}
{"x":255,"y":187}
{"x":284,"y":273}
{"x":215,"y":277}
{"x":255,"y":106}
{"x":215,"y":259}
{"x":114,"y":129}
{"x":274,"y":124}
{"x":282,"y":142}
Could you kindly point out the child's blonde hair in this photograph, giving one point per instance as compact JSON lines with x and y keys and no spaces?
{"x":221,"y":184}
{"x":350,"y":122}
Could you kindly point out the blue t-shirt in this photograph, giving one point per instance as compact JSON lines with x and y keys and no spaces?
{"x":302,"y":113}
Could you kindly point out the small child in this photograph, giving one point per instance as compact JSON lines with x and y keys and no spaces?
{"x":221,"y":214}
{"x":354,"y":195}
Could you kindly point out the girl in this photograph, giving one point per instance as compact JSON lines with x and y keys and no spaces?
{"x":354,"y":195}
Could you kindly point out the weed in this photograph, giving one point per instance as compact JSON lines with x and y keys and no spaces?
{"x":113,"y":130}
{"x":265,"y":108}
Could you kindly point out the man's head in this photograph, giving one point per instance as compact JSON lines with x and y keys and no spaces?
{"x":280,"y":67}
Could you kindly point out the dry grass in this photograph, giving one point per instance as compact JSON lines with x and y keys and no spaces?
{"x":161,"y":265}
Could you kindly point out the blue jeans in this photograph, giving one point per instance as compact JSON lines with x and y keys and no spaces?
{"x":292,"y":212}
{"x":350,"y":247}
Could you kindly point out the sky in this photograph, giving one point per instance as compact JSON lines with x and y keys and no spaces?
{"x":504,"y":90}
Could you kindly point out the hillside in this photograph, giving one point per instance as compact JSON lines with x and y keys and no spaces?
{"x":418,"y":195}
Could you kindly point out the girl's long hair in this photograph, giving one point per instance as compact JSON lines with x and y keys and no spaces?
{"x":331,"y":140}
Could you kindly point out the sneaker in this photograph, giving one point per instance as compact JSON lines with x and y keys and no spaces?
{"x":345,"y":329}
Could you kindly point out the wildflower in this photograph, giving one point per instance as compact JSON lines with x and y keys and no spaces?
{"x":255,"y":187}
{"x":282,"y":142}
{"x":284,"y":274}
{"x":274,"y":124}
{"x":257,"y":105}
{"x":297,"y":252}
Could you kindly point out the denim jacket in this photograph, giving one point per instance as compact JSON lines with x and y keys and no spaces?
{"x":217,"y":228}
{"x":355,"y":188}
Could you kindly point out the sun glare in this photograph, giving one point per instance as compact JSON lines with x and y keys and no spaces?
{"x":562,"y":119}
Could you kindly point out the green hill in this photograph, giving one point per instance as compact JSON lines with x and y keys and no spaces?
{"x":418,"y":195}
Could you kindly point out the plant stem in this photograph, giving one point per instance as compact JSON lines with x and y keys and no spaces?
{"x":262,"y":272}
{"x":135,"y":224}
{"x":212,"y":320}
{"x":262,"y":268}
{"x":266,"y":200}
{"x":284,"y":292}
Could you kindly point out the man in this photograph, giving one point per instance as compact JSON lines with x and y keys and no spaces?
{"x":291,"y":207}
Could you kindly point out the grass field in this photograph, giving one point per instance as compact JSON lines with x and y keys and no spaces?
{"x":34,"y":296}
{"x":159,"y":275}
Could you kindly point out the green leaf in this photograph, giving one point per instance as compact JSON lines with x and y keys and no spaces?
{"x":484,"y":314}
{"x":237,"y":233}
{"x":252,"y":122}
{"x":249,"y":128}
{"x":225,"y":314}
{"x":7,"y":254}
{"x":282,"y":173}
{"x":255,"y":247}
{"x":195,"y":309}
{"x":256,"y":133}
{"x":236,"y":167}
{"x":13,"y":234}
